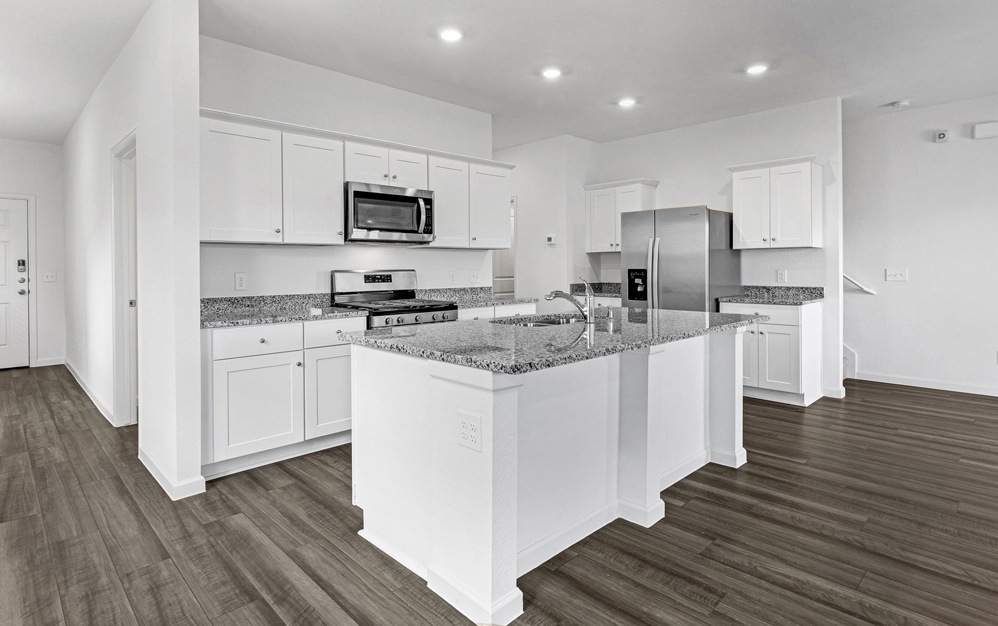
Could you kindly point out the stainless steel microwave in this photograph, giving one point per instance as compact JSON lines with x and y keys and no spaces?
{"x":382,"y":213}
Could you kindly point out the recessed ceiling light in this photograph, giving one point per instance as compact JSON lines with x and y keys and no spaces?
{"x":626,"y":102}
{"x":757,"y":68}
{"x":451,"y":35}
{"x":551,"y":73}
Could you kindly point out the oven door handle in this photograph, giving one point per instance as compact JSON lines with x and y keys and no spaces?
{"x":422,"y":215}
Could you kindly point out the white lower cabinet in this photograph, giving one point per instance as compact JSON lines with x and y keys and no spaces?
{"x":327,"y":391}
{"x":257,"y":403}
{"x":784,"y":354}
{"x":273,"y":385}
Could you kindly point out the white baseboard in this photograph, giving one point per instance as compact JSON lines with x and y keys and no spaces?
{"x":530,"y":557}
{"x":108,"y":415}
{"x":176,"y":491}
{"x":48,"y":362}
{"x":728,"y":459}
{"x":498,"y":613}
{"x":211,"y":471}
{"x":927,"y":384}
{"x":683,"y":469}
{"x":639,"y":515}
{"x":795,"y":399}
{"x":391,"y":550}
{"x":834,"y":392}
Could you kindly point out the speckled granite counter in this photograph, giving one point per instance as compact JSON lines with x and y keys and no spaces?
{"x":774,"y":294}
{"x":471,"y":297}
{"x":604,"y":290}
{"x":248,"y":317}
{"x":506,"y":348}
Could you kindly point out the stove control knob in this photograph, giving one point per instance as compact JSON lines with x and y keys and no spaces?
{"x":417,"y":318}
{"x":446,"y":316}
{"x":388,"y":321}
{"x":399,"y":319}
{"x":434,"y":317}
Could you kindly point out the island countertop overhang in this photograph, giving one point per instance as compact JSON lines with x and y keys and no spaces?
{"x":501,"y":346}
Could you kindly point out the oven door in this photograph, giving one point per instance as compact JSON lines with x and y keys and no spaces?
{"x":381,"y":213}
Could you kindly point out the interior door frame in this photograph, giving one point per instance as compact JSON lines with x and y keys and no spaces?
{"x":33,"y":360}
{"x":122,"y":352}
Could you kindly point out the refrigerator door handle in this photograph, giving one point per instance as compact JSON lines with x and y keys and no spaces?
{"x":654,"y":261}
{"x":650,"y":275}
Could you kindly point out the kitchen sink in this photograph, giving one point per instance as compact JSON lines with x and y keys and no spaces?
{"x":541,"y":322}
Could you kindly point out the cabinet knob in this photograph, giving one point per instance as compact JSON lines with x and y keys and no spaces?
{"x":386,"y":175}
{"x":262,"y":340}
{"x":277,"y":230}
{"x":394,"y":176}
{"x":298,"y":363}
{"x":751,"y":332}
{"x":774,"y":238}
{"x":340,"y":232}
{"x":764,"y":239}
{"x":474,"y":238}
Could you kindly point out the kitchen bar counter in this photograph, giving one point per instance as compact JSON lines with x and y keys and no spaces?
{"x":502,"y":347}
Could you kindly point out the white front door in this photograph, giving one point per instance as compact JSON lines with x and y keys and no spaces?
{"x":13,"y":283}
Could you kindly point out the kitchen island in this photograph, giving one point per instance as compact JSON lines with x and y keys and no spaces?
{"x":482,"y":449}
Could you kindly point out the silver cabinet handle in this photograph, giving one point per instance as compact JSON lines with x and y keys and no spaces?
{"x":277,"y":230}
{"x":262,"y":340}
{"x":21,"y":292}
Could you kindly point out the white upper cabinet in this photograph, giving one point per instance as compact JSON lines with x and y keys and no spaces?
{"x":313,"y":190}
{"x":407,"y":169}
{"x":240,"y":183}
{"x":778,"y":207}
{"x":605,"y":202}
{"x":489,"y":217}
{"x":366,"y":163}
{"x":450,"y":183}
{"x":385,"y":166}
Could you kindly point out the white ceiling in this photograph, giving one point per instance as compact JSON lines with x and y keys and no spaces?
{"x":53,"y":54}
{"x":681,"y":59}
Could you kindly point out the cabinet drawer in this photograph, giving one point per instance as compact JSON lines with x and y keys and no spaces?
{"x":229,"y":343}
{"x":323,"y":333}
{"x":511,"y":310}
{"x":480,"y":313}
{"x":787,"y":315}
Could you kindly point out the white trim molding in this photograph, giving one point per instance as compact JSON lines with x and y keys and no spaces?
{"x":86,"y":389}
{"x":927,"y":384}
{"x":176,"y":491}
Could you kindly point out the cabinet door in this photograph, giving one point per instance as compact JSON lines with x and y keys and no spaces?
{"x":750,"y":194}
{"x":240,"y":183}
{"x":750,"y":357}
{"x":407,"y":169}
{"x":365,"y":163}
{"x":790,"y":206}
{"x":490,"y":224}
{"x":327,"y":391}
{"x":628,"y":200}
{"x":779,"y":357}
{"x":604,"y":220}
{"x":449,"y":182}
{"x":313,"y":190}
{"x":258,"y":403}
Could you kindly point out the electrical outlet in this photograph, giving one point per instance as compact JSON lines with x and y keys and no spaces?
{"x":898,"y":276}
{"x":240,"y":281}
{"x":781,"y":276}
{"x":474,"y":278}
{"x":453,"y":278}
{"x":470,"y":433}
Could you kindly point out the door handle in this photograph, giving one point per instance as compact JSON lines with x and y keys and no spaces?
{"x":21,"y":292}
{"x":650,"y":276}
{"x":654,"y":260}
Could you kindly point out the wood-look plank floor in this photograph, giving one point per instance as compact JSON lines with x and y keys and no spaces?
{"x":881,"y":508}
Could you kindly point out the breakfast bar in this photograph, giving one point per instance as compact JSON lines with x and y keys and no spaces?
{"x":483,"y":448}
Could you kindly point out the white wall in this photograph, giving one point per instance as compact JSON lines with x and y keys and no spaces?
{"x":242,"y":80}
{"x":35,"y":169}
{"x":151,"y":88}
{"x":931,"y":209}
{"x":548,"y":183}
{"x":305,"y":269}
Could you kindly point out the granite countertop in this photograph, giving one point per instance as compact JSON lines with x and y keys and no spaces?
{"x":471,"y":304}
{"x":772,"y":294}
{"x":604,"y":290}
{"x":248,"y":317}
{"x":500,"y":346}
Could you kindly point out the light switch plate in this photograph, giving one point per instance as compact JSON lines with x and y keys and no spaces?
{"x":896,"y":276}
{"x":48,"y":277}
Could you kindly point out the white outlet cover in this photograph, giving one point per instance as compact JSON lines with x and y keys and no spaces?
{"x":896,"y":275}
{"x":240,"y":281}
{"x":469,"y":431}
{"x":781,"y":276}
{"x":48,"y":277}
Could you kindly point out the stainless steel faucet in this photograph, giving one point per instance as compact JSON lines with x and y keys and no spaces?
{"x":588,"y":311}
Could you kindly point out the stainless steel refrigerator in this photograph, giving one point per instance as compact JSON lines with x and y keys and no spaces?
{"x":678,"y":259}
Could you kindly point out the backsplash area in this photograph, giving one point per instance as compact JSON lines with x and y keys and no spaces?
{"x":217,"y":306}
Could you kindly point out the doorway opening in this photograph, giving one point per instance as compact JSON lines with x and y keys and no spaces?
{"x":504,"y":261}
{"x":125,"y":298}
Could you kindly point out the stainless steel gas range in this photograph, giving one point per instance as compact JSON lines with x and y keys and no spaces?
{"x":389,"y":297}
